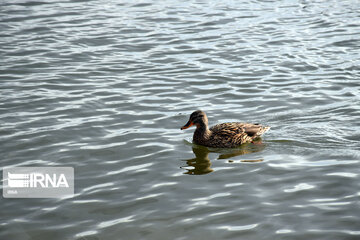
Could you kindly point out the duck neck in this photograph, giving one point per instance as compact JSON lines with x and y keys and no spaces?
{"x":202,"y":132}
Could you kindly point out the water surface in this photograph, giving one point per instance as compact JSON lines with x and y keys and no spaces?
{"x":104,"y":87}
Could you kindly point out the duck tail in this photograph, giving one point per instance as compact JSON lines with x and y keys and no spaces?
{"x":263,"y":130}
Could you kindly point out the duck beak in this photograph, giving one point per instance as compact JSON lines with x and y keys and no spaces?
{"x":187,"y":125}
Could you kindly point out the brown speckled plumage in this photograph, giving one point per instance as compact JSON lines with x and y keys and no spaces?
{"x":224,"y":135}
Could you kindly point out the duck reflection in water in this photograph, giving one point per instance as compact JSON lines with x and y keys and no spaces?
{"x":201,"y":164}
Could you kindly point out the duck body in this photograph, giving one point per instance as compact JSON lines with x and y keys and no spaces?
{"x":224,"y":135}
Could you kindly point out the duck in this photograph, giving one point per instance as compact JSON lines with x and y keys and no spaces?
{"x":224,"y":135}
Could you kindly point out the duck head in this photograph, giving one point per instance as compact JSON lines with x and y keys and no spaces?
{"x":197,"y":118}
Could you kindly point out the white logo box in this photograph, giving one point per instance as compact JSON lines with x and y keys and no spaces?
{"x":38,"y":182}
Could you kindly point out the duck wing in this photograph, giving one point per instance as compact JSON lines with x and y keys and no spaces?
{"x":254,"y":130}
{"x":234,"y":134}
{"x":229,"y":134}
{"x":228,"y":129}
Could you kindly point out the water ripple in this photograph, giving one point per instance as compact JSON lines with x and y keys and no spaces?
{"x":104,"y":88}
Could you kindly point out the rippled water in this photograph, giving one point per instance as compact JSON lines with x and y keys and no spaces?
{"x":104,"y":87}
